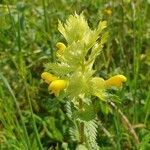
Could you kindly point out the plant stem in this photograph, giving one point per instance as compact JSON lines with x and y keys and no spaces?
{"x":32,"y":116}
{"x":127,"y":123}
{"x":82,"y":123}
{"x":81,"y":132}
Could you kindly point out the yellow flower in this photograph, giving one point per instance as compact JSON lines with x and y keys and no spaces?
{"x":61,"y":48}
{"x":115,"y":81}
{"x":57,"y":85}
{"x":48,"y":78}
{"x":108,"y":11}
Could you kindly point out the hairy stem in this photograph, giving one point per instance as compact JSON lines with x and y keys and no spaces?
{"x":81,"y":128}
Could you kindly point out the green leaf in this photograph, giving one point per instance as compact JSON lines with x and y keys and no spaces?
{"x":81,"y":147}
{"x":145,"y":143}
{"x":91,"y":134}
{"x":87,"y":114}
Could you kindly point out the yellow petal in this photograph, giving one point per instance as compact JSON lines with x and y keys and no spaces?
{"x":57,"y":85}
{"x":115,"y":81}
{"x":61,"y":48}
{"x":48,"y":78}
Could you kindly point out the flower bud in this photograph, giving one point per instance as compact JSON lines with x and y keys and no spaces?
{"x":61,"y":47}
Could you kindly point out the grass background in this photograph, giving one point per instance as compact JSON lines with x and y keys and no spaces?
{"x":30,"y":118}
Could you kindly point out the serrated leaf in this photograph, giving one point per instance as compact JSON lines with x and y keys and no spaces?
{"x":91,"y":133}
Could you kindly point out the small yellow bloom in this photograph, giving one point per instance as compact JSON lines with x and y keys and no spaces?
{"x":61,"y":48}
{"x":115,"y":81}
{"x":108,"y":11}
{"x":48,"y":78}
{"x":57,"y":85}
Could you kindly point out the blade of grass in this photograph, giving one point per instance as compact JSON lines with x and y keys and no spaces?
{"x":22,"y":70}
{"x":137,"y":46}
{"x":10,"y":122}
{"x":118,"y":131}
{"x":47,"y":29}
{"x":147,"y":107}
{"x":32,"y":116}
{"x":18,"y":109}
{"x":18,"y":36}
{"x":126,"y":123}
